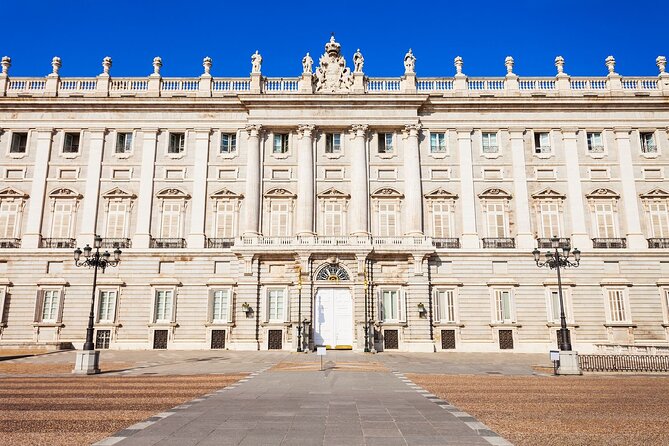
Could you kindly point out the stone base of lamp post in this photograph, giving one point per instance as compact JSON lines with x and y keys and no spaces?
{"x":87,"y":362}
{"x":569,"y":363}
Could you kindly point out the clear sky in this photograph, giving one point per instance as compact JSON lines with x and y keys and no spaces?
{"x":482,"y":32}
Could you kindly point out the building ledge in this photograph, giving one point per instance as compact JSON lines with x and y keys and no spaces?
{"x":569,"y":325}
{"x":505,"y":325}
{"x":502,"y":281}
{"x":620,"y":325}
{"x":615,"y":282}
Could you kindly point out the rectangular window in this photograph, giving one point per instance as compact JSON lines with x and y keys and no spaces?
{"x":503,"y":306}
{"x":550,"y":219}
{"x":385,"y":143}
{"x":438,"y":142}
{"x":62,"y":219}
{"x":107,"y":306}
{"x":391,"y":308}
{"x":388,"y":220}
{"x":445,"y":306}
{"x":171,"y":219}
{"x":648,"y":143}
{"x":116,"y":219}
{"x":617,"y":306}
{"x":595,"y":142}
{"x":280,"y":218}
{"x":177,"y":143}
{"x":280,"y":143}
{"x":276,"y":302}
{"x":333,"y":143}
{"x":50,"y":305}
{"x":164,"y":306}
{"x":124,"y":143}
{"x":496,"y":220}
{"x":659,"y":219}
{"x":442,"y":219}
{"x":542,"y":143}
{"x":220,"y":306}
{"x":9,"y":216}
{"x":71,"y":144}
{"x":225,"y":219}
{"x":605,"y":220}
{"x":554,"y":309}
{"x":489,"y":142}
{"x":228,"y":142}
{"x":19,"y":143}
{"x":333,"y":218}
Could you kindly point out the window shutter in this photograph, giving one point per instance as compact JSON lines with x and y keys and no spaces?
{"x":402,"y":306}
{"x":61,"y":304}
{"x":436,"y":304}
{"x":210,"y":306}
{"x":173,"y":316}
{"x":39,"y":304}
{"x":230,"y":306}
{"x":265,"y":309}
{"x":114,"y":306}
{"x":286,"y":305}
{"x":379,"y":307}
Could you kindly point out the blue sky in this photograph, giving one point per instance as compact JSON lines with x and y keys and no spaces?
{"x":483,"y":33}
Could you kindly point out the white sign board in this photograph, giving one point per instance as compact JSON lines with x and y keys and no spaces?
{"x":555,"y":355}
{"x":320,"y":351}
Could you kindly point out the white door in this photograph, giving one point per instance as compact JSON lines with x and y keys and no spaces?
{"x":334,"y":318}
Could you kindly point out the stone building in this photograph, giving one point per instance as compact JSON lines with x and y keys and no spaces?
{"x":335,"y":209}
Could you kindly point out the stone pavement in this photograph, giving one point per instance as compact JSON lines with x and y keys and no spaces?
{"x":349,"y":403}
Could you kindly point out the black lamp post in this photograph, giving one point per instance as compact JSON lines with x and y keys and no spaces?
{"x":556,"y":260}
{"x":96,"y":261}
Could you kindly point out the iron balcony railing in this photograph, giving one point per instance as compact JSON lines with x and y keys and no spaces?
{"x":609,"y":243}
{"x":58,"y":243}
{"x":10,"y":242}
{"x":545,"y":243}
{"x":442,"y":243}
{"x":658,"y":243}
{"x":116,"y":243}
{"x":225,"y":242}
{"x":498,"y":242}
{"x":624,"y":363}
{"x":168,"y":243}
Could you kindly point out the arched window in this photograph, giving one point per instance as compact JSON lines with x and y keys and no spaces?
{"x":332,"y":272}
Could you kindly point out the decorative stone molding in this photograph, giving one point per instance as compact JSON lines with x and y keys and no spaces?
{"x":172,"y":192}
{"x":10,"y":192}
{"x":333,"y":193}
{"x":495,"y":193}
{"x":118,"y":193}
{"x":359,"y":130}
{"x":656,"y":193}
{"x":602,"y":193}
{"x":548,"y":193}
{"x":279,"y":193}
{"x":387,"y":192}
{"x":225,"y":194}
{"x":332,"y":75}
{"x":440,"y":193}
{"x":63,"y":192}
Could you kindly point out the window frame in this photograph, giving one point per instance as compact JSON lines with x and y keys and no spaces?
{"x":40,"y":303}
{"x":182,"y":149}
{"x":497,"y":310}
{"x":211,"y":313}
{"x":663,"y":218}
{"x":288,"y":203}
{"x":553,"y":318}
{"x":10,"y":147}
{"x":625,"y":307}
{"x":233,"y":149}
{"x":172,"y":310}
{"x":539,"y":149}
{"x":449,"y":214}
{"x":99,"y":307}
{"x":591,"y":146}
{"x":283,"y":317}
{"x":128,"y":149}
{"x":383,"y":146}
{"x":71,"y":154}
{"x":596,"y":213}
{"x":440,"y":137}
{"x":233,"y":211}
{"x":555,"y":214}
{"x":397,"y":214}
{"x":283,"y":146}
{"x":505,"y":218}
{"x":400,"y":300}
{"x":439,"y":306}
{"x":181,"y":203}
{"x":644,"y":144}
{"x":18,"y":214}
{"x":330,"y":144}
{"x":485,"y":142}
{"x":341,"y":213}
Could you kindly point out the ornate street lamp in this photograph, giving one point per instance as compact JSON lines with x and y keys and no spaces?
{"x":88,"y":359}
{"x":556,"y":260}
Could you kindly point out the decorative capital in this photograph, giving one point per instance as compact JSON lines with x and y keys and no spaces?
{"x":206,"y":63}
{"x":359,"y":130}
{"x":611,"y":64}
{"x":253,"y":130}
{"x":661,"y":63}
{"x":305,"y":130}
{"x":458,"y":63}
{"x":412,"y":129}
{"x":508,"y":63}
{"x":55,"y":65}
{"x":409,"y":62}
{"x":157,"y":63}
{"x":559,"y":64}
{"x":6,"y":63}
{"x":106,"y":65}
{"x":256,"y":62}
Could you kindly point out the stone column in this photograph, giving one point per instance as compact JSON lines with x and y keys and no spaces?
{"x":252,"y":196}
{"x":470,"y":236}
{"x":32,"y":236}
{"x":92,"y":193}
{"x":196,"y":238}
{"x":142,"y":237}
{"x":359,"y":208}
{"x":523,"y":232}
{"x":579,"y":234}
{"x":413,"y":206}
{"x":304,"y":224}
{"x":635,"y":237}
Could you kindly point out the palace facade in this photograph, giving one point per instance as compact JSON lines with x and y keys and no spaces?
{"x":335,"y":209}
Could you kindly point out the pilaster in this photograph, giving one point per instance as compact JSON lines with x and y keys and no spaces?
{"x":635,"y":238}
{"x":579,"y":234}
{"x":408,"y":83}
{"x":256,"y":83}
{"x":196,"y":238}
{"x":524,"y":238}
{"x":252,"y":193}
{"x":413,"y":209}
{"x":305,"y":84}
{"x":92,"y":192}
{"x":32,"y":236}
{"x":359,"y":209}
{"x":470,"y":237}
{"x":304,"y":224}
{"x":142,"y":237}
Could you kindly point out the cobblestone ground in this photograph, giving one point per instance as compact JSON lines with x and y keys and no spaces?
{"x":543,"y":410}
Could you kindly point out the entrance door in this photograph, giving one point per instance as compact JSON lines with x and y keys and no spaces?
{"x":333,"y":325}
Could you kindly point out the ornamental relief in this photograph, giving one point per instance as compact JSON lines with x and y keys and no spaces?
{"x":332,"y":75}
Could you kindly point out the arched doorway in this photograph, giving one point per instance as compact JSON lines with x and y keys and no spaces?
{"x":333,"y":308}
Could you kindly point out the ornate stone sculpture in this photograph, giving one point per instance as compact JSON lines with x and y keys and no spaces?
{"x":409,"y":62}
{"x":458,"y":63}
{"x":6,"y":63}
{"x":256,"y":62}
{"x":358,"y":62}
{"x":661,"y":63}
{"x":611,"y":64}
{"x":55,"y":65}
{"x":206,"y":63}
{"x":559,"y":64}
{"x":307,"y":64}
{"x":106,"y":65}
{"x":508,"y":62}
{"x":332,"y":75}
{"x":157,"y":63}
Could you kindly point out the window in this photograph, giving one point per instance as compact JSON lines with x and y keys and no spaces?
{"x":666,"y":303}
{"x":333,"y":217}
{"x":228,"y":142}
{"x":50,"y":305}
{"x":220,"y":306}
{"x":388,"y":219}
{"x":19,"y":143}
{"x":107,"y":306}
{"x":648,"y":143}
{"x":116,"y":219}
{"x":444,"y":301}
{"x":171,"y":219}
{"x":225,"y":219}
{"x":280,"y":143}
{"x":489,"y":142}
{"x":280,"y":221}
{"x":124,"y":143}
{"x":442,"y":219}
{"x":385,"y":143}
{"x":276,"y":305}
{"x":617,"y":305}
{"x":391,"y":305}
{"x":496,"y":220}
{"x":177,"y":143}
{"x":605,"y":222}
{"x":437,"y":142}
{"x":333,"y":143}
{"x":549,"y":219}
{"x":595,"y":142}
{"x":658,"y":214}
{"x":542,"y":143}
{"x":71,"y":144}
{"x":503,"y":302}
{"x":164,"y":304}
{"x":554,"y":306}
{"x":61,"y":225}
{"x":9,"y":218}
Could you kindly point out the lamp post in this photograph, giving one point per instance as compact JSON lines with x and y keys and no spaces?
{"x":556,"y":260}
{"x":88,"y":358}
{"x":299,"y":309}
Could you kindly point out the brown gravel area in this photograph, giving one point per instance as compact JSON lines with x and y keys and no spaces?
{"x":72,"y":410}
{"x":29,"y":368}
{"x":534,"y":410}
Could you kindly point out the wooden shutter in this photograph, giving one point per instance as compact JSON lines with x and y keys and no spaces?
{"x":437,"y":305}
{"x":61,"y":304}
{"x":402,"y":305}
{"x":210,"y":306}
{"x":39,"y":304}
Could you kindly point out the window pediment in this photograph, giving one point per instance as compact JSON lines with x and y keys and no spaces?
{"x":225,"y":193}
{"x":548,"y":193}
{"x":333,"y":193}
{"x":655,"y":193}
{"x":440,"y":193}
{"x":172,"y":192}
{"x":10,"y":192}
{"x":495,"y":193}
{"x":118,"y":193}
{"x":387,"y":192}
{"x":602,"y":193}
{"x":63,"y":192}
{"x":279,"y":193}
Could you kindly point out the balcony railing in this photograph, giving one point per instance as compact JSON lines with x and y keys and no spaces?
{"x":226,"y":242}
{"x":546,"y":243}
{"x":658,"y":243}
{"x":498,"y":242}
{"x":441,"y":243}
{"x":58,"y":243}
{"x":10,"y":242}
{"x":116,"y":243}
{"x":168,"y":243}
{"x":609,"y":243}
